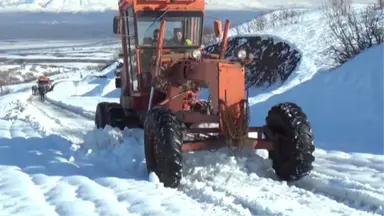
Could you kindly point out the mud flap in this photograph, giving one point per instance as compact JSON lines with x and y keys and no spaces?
{"x":274,"y":60}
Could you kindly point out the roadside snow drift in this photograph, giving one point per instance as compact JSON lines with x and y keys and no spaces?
{"x":344,"y":105}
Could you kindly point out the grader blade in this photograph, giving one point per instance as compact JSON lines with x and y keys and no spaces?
{"x":269,"y":53}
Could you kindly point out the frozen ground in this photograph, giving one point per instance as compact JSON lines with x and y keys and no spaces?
{"x":53,"y":161}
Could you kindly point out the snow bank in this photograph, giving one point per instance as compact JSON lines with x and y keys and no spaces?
{"x":82,"y":96}
{"x":75,"y":108}
{"x":121,"y":149}
{"x":344,"y":105}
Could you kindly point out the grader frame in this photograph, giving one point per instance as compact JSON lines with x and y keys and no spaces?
{"x":166,"y":104}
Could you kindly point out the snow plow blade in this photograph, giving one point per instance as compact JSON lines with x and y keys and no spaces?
{"x":270,"y":55}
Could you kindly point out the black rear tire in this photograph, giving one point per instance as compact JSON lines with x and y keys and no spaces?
{"x":111,"y":114}
{"x":163,"y":139}
{"x":292,"y":157}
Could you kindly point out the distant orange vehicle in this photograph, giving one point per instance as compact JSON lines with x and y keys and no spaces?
{"x":164,"y":71}
{"x":45,"y":82}
{"x":43,"y":78}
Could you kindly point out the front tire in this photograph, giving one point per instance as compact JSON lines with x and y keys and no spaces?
{"x":292,"y":157}
{"x":163,"y":139}
{"x":111,"y":114}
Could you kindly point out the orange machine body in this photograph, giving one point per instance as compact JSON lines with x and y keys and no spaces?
{"x":225,"y":79}
{"x":162,"y":5}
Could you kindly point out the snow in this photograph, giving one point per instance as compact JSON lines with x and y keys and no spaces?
{"x":333,"y":89}
{"x":339,"y":103}
{"x":25,"y":61}
{"x":54,"y":162}
{"x":105,"y":5}
{"x":88,"y":93}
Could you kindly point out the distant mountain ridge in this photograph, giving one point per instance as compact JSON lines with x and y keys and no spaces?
{"x":58,"y":5}
{"x":108,"y":5}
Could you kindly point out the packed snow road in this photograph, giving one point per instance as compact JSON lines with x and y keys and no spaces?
{"x":45,"y":172}
{"x":61,"y":122}
{"x":41,"y":174}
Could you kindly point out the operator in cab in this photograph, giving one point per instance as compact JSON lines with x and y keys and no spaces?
{"x":155,"y":37}
{"x":178,"y":39}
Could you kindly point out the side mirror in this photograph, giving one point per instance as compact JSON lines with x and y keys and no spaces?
{"x":218,"y":27}
{"x":116,"y":24}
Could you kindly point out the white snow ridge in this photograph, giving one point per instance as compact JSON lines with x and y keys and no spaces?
{"x":104,"y":5}
{"x":54,"y":162}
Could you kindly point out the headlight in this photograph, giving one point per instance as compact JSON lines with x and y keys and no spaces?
{"x":242,"y":54}
{"x":196,"y":54}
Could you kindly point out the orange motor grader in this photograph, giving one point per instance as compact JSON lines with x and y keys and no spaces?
{"x":164,"y":71}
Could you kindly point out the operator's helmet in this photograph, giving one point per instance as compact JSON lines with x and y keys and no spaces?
{"x":188,"y":42}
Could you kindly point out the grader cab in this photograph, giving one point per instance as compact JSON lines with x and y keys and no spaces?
{"x":164,"y":71}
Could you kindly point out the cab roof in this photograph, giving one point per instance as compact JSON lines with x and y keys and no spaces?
{"x":162,"y":5}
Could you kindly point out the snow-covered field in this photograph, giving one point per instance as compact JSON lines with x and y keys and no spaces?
{"x":102,"y":5}
{"x":24,"y":61}
{"x":53,"y":161}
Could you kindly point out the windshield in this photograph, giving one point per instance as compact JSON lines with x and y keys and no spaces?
{"x":179,"y":31}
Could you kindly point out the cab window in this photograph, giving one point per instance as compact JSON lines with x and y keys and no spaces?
{"x":131,"y":48}
{"x":182,"y":28}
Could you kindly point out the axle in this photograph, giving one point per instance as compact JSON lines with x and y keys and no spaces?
{"x":216,"y":142}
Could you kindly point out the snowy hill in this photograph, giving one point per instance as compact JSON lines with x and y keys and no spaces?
{"x":341,"y":104}
{"x":104,"y":5}
{"x":53,"y":161}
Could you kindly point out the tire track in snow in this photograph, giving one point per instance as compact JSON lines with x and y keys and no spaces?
{"x":17,"y":128}
{"x":357,"y":195}
{"x":79,"y":194}
{"x":204,"y":194}
{"x":240,"y":205}
{"x":361,"y":188}
{"x":351,"y":193}
{"x":210,"y":209}
{"x":219,"y":178}
{"x":21,"y":128}
{"x":246,"y":186}
{"x":128,"y":157}
{"x":15,"y":121}
{"x":68,"y":124}
{"x":5,"y":126}
{"x":200,"y":168}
